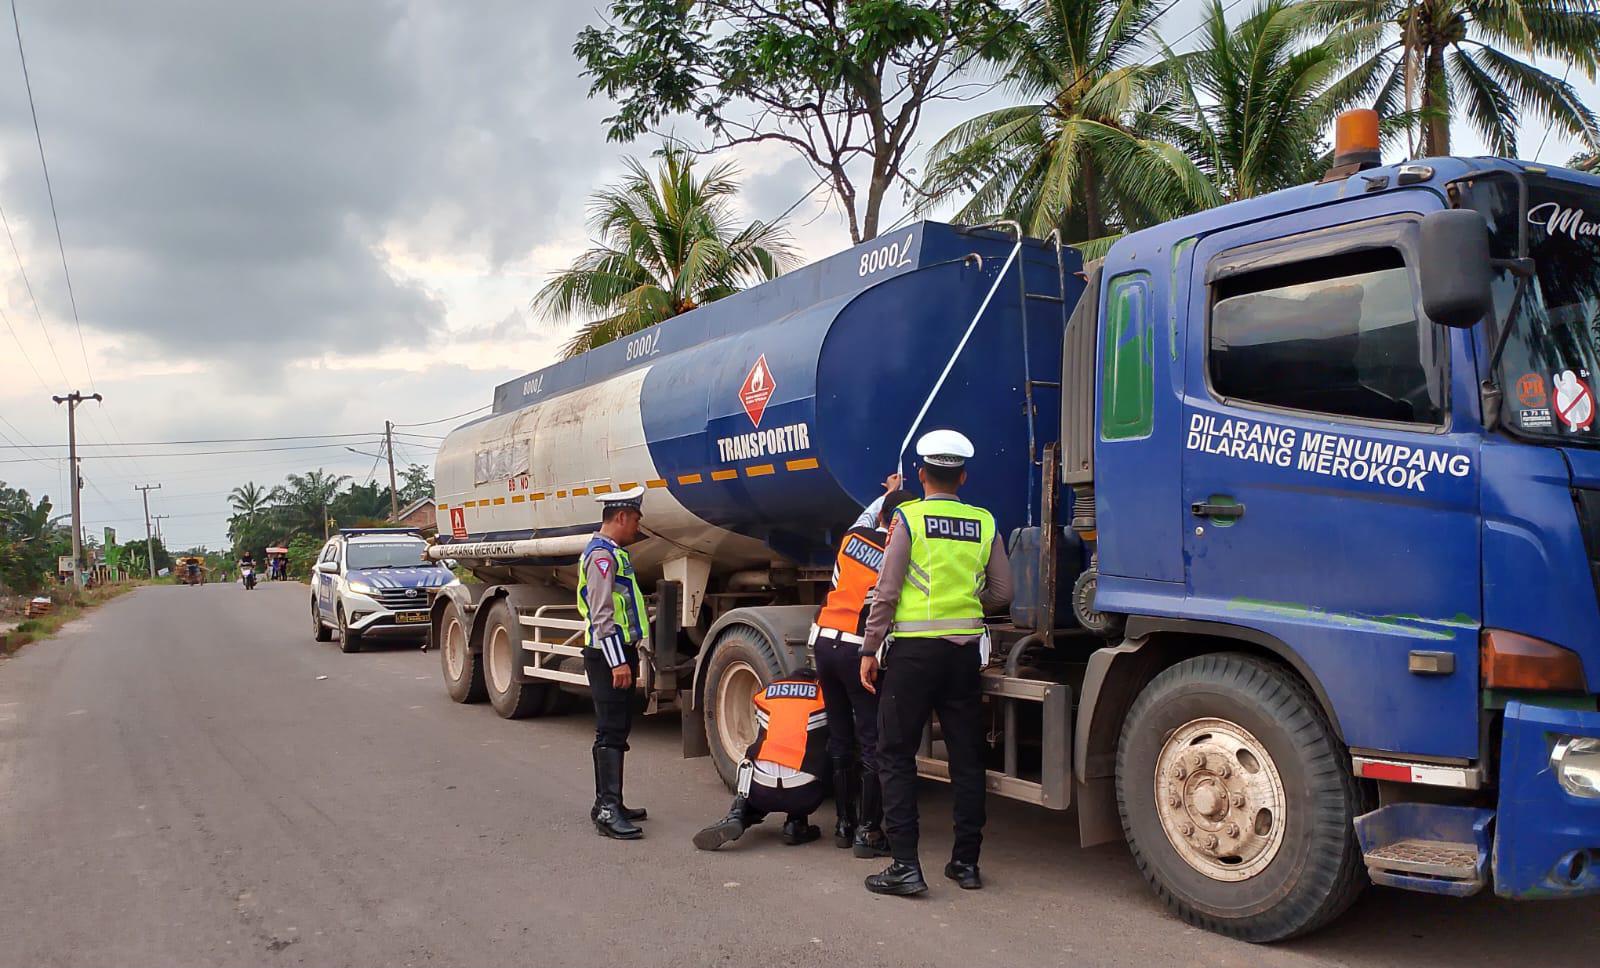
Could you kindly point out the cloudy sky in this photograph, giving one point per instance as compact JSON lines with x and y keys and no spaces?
{"x":301,"y":217}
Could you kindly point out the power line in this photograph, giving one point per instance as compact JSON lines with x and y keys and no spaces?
{"x":50,"y":191}
{"x":23,"y":350}
{"x":203,"y":453}
{"x":1551,"y":126}
{"x":229,"y":440}
{"x":17,"y":254}
{"x":429,"y":423}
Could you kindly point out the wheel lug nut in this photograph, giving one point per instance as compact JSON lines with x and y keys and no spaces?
{"x":1187,"y":830}
{"x":1199,"y":761}
{"x":1180,"y":771}
{"x":1224,"y":771}
{"x":1238,"y":800}
{"x":1232,"y":830}
{"x":1173,"y":800}
{"x":1211,"y":842}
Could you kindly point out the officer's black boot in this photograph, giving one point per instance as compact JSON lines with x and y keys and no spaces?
{"x":898,"y":878}
{"x":632,"y":813}
{"x":798,"y":829}
{"x":870,"y":840}
{"x":608,"y":818}
{"x":844,"y":801}
{"x":726,"y":830}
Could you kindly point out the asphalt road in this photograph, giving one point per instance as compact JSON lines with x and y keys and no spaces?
{"x":186,"y":778}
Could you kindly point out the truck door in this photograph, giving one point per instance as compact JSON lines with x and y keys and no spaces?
{"x":1330,"y":472}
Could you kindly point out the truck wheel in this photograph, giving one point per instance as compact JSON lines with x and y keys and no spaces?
{"x":349,"y":640}
{"x":319,"y":628}
{"x":1237,"y":800}
{"x":502,"y":650}
{"x":463,"y":673}
{"x":743,"y":663}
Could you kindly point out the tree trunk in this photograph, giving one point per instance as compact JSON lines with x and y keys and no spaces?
{"x":1435,"y":129}
{"x":1091,"y":199}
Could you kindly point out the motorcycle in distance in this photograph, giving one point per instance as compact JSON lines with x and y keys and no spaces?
{"x":247,"y":574}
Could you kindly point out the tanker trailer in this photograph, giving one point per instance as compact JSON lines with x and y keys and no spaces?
{"x":759,"y":425}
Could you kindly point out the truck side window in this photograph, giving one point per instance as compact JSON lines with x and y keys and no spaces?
{"x":1338,"y":335}
{"x":1127,"y":378}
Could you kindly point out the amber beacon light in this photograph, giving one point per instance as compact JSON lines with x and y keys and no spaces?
{"x":1355,"y":143}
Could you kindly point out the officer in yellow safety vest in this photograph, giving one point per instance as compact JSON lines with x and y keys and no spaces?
{"x":612,"y":607}
{"x":944,"y":565}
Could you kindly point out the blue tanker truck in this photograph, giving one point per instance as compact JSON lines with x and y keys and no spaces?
{"x":1302,"y":494}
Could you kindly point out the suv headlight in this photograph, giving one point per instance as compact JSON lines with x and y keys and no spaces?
{"x":1576,"y":760}
{"x":362,"y":588}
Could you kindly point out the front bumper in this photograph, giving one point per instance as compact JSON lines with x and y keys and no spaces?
{"x":1547,"y":840}
{"x":368,"y":615}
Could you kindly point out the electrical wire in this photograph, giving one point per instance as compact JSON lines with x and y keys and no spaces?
{"x":228,"y":440}
{"x":61,"y":247}
{"x":38,"y":314}
{"x":429,"y":423}
{"x":203,"y":453}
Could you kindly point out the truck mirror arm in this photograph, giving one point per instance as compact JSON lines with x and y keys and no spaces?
{"x":1489,"y":392}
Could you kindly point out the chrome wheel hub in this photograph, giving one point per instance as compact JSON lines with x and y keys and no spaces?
{"x":1220,"y":799}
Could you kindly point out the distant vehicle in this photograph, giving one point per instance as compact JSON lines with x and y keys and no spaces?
{"x":192,"y":570}
{"x":373,"y":581}
{"x":247,"y":575}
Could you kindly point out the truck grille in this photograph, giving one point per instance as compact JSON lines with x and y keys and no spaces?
{"x":401,"y":598}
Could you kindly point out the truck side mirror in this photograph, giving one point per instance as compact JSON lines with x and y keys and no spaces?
{"x":1455,"y":268}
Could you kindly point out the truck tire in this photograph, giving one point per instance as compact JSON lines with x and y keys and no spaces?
{"x":349,"y":640}
{"x":502,"y":650}
{"x":1237,"y":800}
{"x":743,"y":662}
{"x":319,"y":628}
{"x":463,"y":673}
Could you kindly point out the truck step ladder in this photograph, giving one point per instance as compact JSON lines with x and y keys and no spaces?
{"x":1426,"y":847}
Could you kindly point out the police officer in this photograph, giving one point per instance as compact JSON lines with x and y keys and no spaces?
{"x":836,"y":638}
{"x":943,"y":567}
{"x":612,"y":607}
{"x":784,"y":769}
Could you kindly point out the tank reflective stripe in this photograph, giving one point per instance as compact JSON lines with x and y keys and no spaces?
{"x":942,"y":625}
{"x":803,"y":464}
{"x":759,"y":470}
{"x":724,"y":475}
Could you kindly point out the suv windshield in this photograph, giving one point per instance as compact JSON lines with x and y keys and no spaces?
{"x":1552,"y":354}
{"x":385,"y":554}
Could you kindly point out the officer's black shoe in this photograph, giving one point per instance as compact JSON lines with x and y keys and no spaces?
{"x":964,"y":874}
{"x":610,"y":822}
{"x":632,"y":813}
{"x":796,"y":832}
{"x":726,"y":830}
{"x":870,"y":842}
{"x":899,"y":878}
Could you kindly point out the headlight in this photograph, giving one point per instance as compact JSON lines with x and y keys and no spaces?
{"x":362,"y":588}
{"x":1576,"y":760}
{"x":453,"y":581}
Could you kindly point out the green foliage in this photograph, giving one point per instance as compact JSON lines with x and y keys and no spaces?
{"x":1460,"y":55}
{"x":29,"y":543}
{"x":1080,"y":155}
{"x":303,"y":551}
{"x":667,"y":243}
{"x":843,"y":85}
{"x":416,"y":483}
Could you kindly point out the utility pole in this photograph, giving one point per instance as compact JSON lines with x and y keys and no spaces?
{"x":160,"y":518}
{"x":394,"y":496}
{"x":149,"y":542}
{"x":72,"y":400}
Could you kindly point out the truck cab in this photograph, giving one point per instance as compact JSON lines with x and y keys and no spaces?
{"x":1341,"y":467}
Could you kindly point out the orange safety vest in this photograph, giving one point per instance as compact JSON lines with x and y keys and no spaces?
{"x":792,"y":725}
{"x":855,"y":575}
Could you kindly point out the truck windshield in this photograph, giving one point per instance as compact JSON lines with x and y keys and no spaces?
{"x":1552,"y":355}
{"x":387,"y":554}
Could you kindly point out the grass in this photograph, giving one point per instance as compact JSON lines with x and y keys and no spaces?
{"x":44,"y":626}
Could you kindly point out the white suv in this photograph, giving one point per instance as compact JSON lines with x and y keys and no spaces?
{"x":373,"y":581}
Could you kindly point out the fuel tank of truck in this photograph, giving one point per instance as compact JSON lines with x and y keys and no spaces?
{"x":762,"y":423}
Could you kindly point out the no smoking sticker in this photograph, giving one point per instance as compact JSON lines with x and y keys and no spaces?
{"x":1574,"y":404}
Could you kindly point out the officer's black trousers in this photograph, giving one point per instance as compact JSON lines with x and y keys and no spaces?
{"x":919,"y":677}
{"x":852,"y":710}
{"x":613,"y":707}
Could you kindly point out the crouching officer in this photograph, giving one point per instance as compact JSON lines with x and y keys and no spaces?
{"x":612,"y":607}
{"x":836,"y":639}
{"x":784,"y":771}
{"x":943,"y":566}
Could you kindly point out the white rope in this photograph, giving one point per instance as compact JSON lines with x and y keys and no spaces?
{"x":950,"y":364}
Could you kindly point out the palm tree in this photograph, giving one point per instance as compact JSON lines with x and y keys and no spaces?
{"x":1250,"y":103}
{"x":1073,"y":157}
{"x":666,"y":244}
{"x":303,"y":499}
{"x":248,"y":499}
{"x":1450,"y":56}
